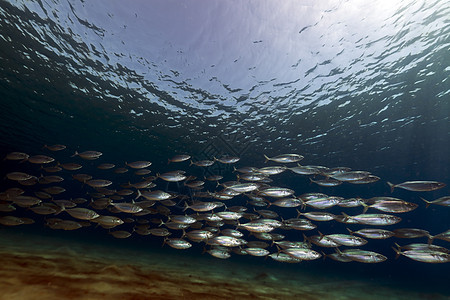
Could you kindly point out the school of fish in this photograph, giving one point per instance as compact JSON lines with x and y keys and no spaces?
{"x":126,"y":200}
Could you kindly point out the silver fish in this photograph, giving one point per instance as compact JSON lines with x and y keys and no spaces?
{"x":19,"y":176}
{"x":277,"y":192}
{"x":81,"y":213}
{"x":418,"y":186}
{"x":56,"y":147}
{"x":283,"y":257}
{"x":350,"y":176}
{"x":226,"y":241}
{"x":284,"y":158}
{"x":391,"y":206}
{"x":88,"y":155}
{"x":425,"y":255}
{"x":272,"y":170}
{"x":443,"y":201}
{"x":257,"y":251}
{"x":347,"y":240}
{"x":17,"y":156}
{"x":302,"y":253}
{"x":126,"y":207}
{"x":244,"y":187}
{"x":363,"y":256}
{"x":40,"y":159}
{"x":326,"y":182}
{"x":174,"y":176}
{"x":227,"y":159}
{"x":410,"y":233}
{"x":373,"y":233}
{"x":179,"y":158}
{"x":139,"y":164}
{"x":374,"y":219}
{"x":96,"y":183}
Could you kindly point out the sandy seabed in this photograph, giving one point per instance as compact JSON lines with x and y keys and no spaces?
{"x":46,"y":267}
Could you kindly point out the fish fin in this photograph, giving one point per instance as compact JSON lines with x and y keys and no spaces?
{"x":392,"y":186}
{"x":267,"y":158}
{"x":427,"y":202}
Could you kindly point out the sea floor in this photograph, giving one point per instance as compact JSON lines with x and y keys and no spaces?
{"x":34,"y":266}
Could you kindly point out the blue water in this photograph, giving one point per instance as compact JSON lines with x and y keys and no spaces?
{"x":344,"y":83}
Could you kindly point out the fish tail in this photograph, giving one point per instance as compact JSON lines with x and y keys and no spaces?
{"x":366,"y":207}
{"x":238,"y":224}
{"x":427,"y":202}
{"x":75,"y":154}
{"x":139,"y":194}
{"x":392,"y":186}
{"x":186,"y":206}
{"x":346,"y":217}
{"x":278,"y":249}
{"x":351,"y":232}
{"x":168,"y":161}
{"x":62,"y":208}
{"x":305,"y":238}
{"x":323,"y":255}
{"x":299,"y":213}
{"x":430,"y":239}
{"x":267,"y":158}
{"x":303,"y":205}
{"x":321,"y":235}
{"x":397,"y":251}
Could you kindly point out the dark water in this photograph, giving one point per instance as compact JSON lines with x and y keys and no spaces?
{"x":344,"y":83}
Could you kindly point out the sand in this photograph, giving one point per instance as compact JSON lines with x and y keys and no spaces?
{"x":34,"y":266}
